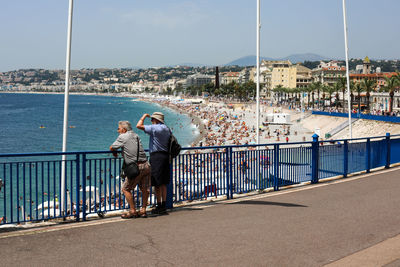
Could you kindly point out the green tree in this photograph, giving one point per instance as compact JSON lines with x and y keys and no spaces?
{"x":390,"y":85}
{"x":358,"y":88}
{"x":368,"y":85}
{"x":329,"y":90}
{"x":343,"y":85}
{"x":315,"y":86}
{"x":337,"y":87}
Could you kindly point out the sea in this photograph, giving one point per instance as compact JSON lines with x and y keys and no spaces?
{"x":34,"y":122}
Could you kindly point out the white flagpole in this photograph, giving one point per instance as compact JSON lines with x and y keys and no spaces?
{"x":347,"y":67}
{"x":258,"y":73}
{"x":66,"y":95}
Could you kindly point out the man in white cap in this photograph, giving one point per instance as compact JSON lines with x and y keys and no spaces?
{"x":159,"y":157}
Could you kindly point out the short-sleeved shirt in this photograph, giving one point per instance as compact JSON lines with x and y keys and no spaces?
{"x":128,"y":143}
{"x":159,"y":137}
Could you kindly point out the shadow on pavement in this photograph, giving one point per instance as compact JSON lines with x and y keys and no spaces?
{"x":258,"y":202}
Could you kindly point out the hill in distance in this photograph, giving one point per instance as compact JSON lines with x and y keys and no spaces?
{"x":251,"y":60}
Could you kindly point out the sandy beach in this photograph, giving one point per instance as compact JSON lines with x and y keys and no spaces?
{"x":222,"y":124}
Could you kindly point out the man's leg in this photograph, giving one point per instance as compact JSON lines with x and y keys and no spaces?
{"x":163,"y":192}
{"x":157,"y":190}
{"x":145,"y":196}
{"x":129,"y":198}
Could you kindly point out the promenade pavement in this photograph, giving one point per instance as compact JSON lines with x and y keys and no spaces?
{"x":347,"y":222}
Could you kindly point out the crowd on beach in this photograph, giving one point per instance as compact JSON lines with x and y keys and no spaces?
{"x":222,"y":124}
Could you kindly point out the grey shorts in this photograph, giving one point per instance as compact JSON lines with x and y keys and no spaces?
{"x":143,"y":179}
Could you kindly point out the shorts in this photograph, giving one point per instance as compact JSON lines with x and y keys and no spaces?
{"x":143,"y":179}
{"x":160,"y":171}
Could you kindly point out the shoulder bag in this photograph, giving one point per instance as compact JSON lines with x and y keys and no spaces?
{"x":131,"y":170}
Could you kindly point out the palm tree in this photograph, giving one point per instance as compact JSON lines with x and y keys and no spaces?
{"x":278,"y":91}
{"x":391,"y":84}
{"x":316,"y":86}
{"x":330,"y":90}
{"x":323,"y":89}
{"x":358,"y":87}
{"x":318,"y":94}
{"x":343,"y":85}
{"x":308,"y":90}
{"x":352,"y":88}
{"x":337,"y":86}
{"x":368,"y":85}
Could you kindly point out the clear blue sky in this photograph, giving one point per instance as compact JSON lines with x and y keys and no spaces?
{"x":146,"y":33}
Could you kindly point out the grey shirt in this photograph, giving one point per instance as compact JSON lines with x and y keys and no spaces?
{"x":128,"y":143}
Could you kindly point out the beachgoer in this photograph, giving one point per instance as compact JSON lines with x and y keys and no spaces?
{"x":129,"y":142}
{"x":159,"y":157}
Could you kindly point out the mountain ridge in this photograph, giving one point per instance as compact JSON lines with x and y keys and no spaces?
{"x":295,"y":58}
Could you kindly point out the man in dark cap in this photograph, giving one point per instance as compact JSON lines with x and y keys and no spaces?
{"x":159,"y":158}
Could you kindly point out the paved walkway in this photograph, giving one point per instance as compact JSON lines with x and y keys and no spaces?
{"x":349,"y":222}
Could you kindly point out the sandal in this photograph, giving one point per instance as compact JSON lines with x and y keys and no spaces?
{"x":143,"y":214}
{"x":130,"y":215}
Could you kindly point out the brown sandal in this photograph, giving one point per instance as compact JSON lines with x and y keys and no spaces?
{"x":130,"y":215}
{"x":143,"y":214}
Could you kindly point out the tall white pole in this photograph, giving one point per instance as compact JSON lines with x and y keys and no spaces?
{"x":347,"y":67}
{"x":66,"y":95}
{"x":258,"y":73}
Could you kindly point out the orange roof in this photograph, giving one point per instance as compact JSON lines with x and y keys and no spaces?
{"x":334,"y":68}
{"x":373,"y":75}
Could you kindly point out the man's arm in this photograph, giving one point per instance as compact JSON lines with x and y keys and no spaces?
{"x":115,"y":154}
{"x":140,"y":124}
{"x":117,"y":145}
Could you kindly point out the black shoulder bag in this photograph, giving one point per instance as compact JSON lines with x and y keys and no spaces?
{"x":174,"y":148}
{"x":131,"y":170}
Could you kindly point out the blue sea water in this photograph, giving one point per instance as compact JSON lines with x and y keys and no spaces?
{"x":93,"y":122}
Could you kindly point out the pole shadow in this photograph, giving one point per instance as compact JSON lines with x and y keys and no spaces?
{"x":268,"y":203}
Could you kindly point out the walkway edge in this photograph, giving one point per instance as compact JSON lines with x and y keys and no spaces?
{"x":381,"y":254}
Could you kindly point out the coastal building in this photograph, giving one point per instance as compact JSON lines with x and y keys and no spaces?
{"x":281,"y":73}
{"x":380,"y":101}
{"x":229,"y":77}
{"x":328,"y":73}
{"x":378,"y":78}
{"x":199,"y":79}
{"x":244,"y":76}
{"x":303,"y":76}
{"x":265,"y":80}
{"x":366,"y":66}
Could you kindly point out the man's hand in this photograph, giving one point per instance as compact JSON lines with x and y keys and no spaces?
{"x":140,"y":124}
{"x":115,"y":154}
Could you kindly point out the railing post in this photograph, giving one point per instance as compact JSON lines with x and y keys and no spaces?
{"x":388,"y":150}
{"x":345,"y":158}
{"x":84,"y":187}
{"x":170,"y":191}
{"x":228,"y":167}
{"x":77,"y":187}
{"x":276,"y":167}
{"x":315,"y":159}
{"x":368,"y":155}
{"x":230,"y":171}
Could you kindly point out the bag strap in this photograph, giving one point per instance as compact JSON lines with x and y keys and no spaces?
{"x":137,"y":157}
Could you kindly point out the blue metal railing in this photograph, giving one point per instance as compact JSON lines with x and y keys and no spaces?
{"x":359,"y":116}
{"x":31,"y":183}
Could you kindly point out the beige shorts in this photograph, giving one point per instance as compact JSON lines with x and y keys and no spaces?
{"x":143,"y":179}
